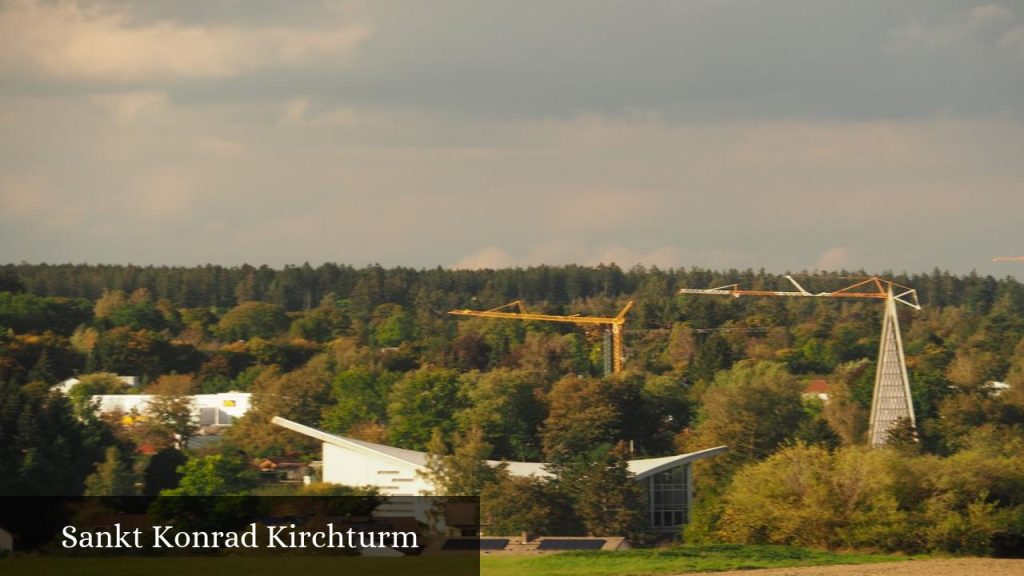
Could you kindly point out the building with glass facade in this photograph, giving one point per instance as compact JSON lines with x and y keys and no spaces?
{"x":396,"y":472}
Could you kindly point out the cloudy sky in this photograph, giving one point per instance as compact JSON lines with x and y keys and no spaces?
{"x":784,"y":134}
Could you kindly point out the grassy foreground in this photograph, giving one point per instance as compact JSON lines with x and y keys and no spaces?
{"x":670,"y":561}
{"x":626,"y":563}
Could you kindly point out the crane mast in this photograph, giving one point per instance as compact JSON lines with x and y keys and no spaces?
{"x":613,"y":326}
{"x":891,"y":400}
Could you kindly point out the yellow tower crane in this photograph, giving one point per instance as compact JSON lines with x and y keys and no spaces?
{"x":613,"y":356}
{"x":891,"y":400}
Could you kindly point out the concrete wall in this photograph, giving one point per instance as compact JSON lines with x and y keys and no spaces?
{"x":357,"y":468}
{"x":6,"y":542}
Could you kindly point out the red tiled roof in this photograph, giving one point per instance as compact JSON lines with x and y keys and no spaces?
{"x":817,"y":386}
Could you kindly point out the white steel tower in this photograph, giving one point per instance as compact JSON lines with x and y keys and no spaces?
{"x":891,"y":402}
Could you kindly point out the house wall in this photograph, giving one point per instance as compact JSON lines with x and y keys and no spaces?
{"x":228,"y":405}
{"x":6,"y":541}
{"x":232,"y":404}
{"x":357,"y":468}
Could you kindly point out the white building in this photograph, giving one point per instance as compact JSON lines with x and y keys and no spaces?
{"x":817,"y":388}
{"x":396,"y":472}
{"x":995,"y":388}
{"x":207,"y":409}
{"x":6,"y":542}
{"x":66,"y":386}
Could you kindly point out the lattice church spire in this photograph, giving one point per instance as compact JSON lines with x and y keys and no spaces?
{"x":891,"y":402}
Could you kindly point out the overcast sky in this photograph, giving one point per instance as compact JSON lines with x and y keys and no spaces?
{"x":783,"y":134}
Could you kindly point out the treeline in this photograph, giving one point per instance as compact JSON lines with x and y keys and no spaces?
{"x":298,"y":288}
{"x":149,"y":321}
{"x":372,"y":353}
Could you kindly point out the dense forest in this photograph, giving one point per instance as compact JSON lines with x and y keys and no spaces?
{"x":372,"y":353}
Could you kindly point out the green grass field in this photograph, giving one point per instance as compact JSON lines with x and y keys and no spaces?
{"x":669,"y":561}
{"x":625,"y":563}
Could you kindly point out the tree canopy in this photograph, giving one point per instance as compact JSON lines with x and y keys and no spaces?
{"x":372,"y":353}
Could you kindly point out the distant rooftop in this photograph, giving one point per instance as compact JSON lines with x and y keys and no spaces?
{"x":817,"y":386}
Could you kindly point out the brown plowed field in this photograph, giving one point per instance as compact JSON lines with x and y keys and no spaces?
{"x":949,"y":567}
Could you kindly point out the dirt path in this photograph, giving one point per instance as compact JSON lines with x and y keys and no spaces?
{"x":950,"y":567}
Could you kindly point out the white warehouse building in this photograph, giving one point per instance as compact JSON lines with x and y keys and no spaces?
{"x":397,"y":472}
{"x":207,"y":409}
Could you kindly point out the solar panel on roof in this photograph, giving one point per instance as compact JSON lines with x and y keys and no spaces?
{"x":475,"y":544}
{"x":566,"y":544}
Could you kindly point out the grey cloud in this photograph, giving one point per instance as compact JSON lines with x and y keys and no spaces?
{"x":695,"y":61}
{"x":184,"y":185}
{"x":785,"y":134}
{"x":691,"y":60}
{"x":73,"y":42}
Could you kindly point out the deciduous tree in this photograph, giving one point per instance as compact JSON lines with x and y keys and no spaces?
{"x":169,"y":416}
{"x":461,"y":470}
{"x":751,"y":408}
{"x":358,"y":395}
{"x":420,"y":402}
{"x":90,"y":385}
{"x":582,"y":414}
{"x":213,"y":475}
{"x":508,"y":406}
{"x":252,"y":319}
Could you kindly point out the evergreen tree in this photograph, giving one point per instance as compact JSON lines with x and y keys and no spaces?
{"x":9,"y":282}
{"x":713,"y":355}
{"x":161,"y":471}
{"x":43,"y":370}
{"x":44,"y":448}
{"x":113,"y":477}
{"x":606,"y":496}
